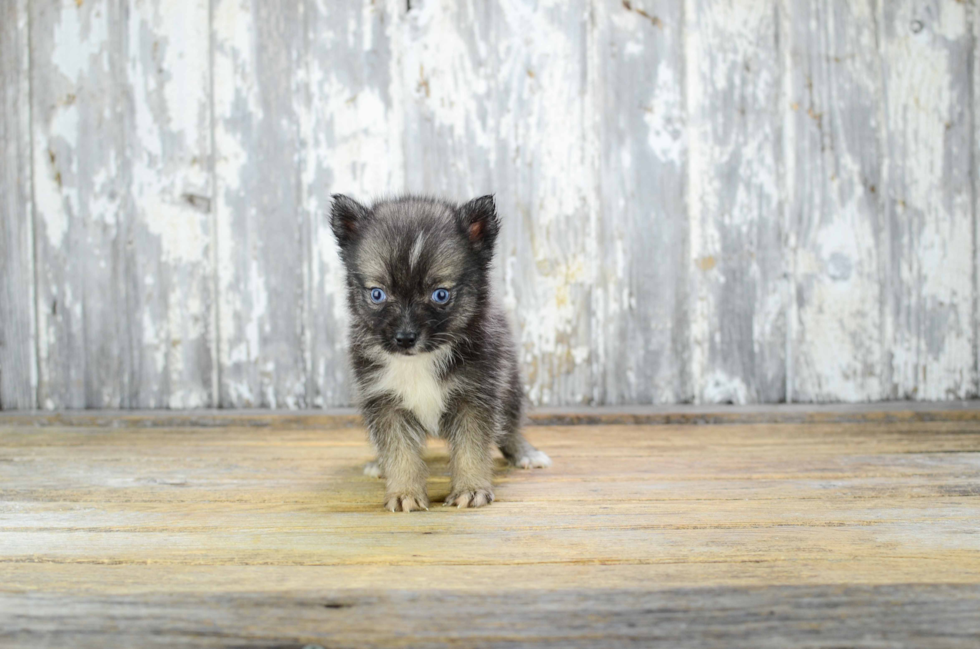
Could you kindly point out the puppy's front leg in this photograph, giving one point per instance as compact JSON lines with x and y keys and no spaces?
{"x":400,"y":442}
{"x":470,"y":433}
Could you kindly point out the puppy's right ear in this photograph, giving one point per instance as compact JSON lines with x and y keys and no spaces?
{"x":346,"y":219}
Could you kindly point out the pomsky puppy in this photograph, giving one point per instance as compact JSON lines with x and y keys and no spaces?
{"x":430,"y":350}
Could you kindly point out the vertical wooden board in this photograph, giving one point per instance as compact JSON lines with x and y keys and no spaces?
{"x":925,"y":55}
{"x":834,"y":180}
{"x":446,"y":93}
{"x":975,"y":167}
{"x":262,"y":238}
{"x":18,"y":347}
{"x":641,"y":328}
{"x":121,"y":157}
{"x":351,"y":134}
{"x":80,"y":181}
{"x":544,"y":177}
{"x":738,"y":287}
{"x":167,"y":253}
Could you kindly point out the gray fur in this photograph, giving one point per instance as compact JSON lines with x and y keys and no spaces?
{"x":458,"y":378}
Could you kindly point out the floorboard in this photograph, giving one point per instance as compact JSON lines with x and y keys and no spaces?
{"x":855,"y":529}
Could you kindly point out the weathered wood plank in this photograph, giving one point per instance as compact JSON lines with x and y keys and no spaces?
{"x":834,"y":169}
{"x":925,"y":51}
{"x":121,"y":155}
{"x":828,"y":181}
{"x":81,"y":180}
{"x":621,"y":495}
{"x":495,"y":98}
{"x":263,"y":235}
{"x":351,"y":137}
{"x":859,"y":534}
{"x":738,"y":301}
{"x":640,"y":297}
{"x":545,"y":157}
{"x":447,"y":93}
{"x":974,"y":93}
{"x":699,"y":415}
{"x":168,"y":271}
{"x":334,"y":616}
{"x":18,"y":345}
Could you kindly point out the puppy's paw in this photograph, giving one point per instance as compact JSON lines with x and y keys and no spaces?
{"x":373,"y":470}
{"x":406,"y":503}
{"x":533,"y":459}
{"x":474,"y":498}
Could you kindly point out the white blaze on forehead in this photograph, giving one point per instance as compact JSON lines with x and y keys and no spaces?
{"x":416,"y":253}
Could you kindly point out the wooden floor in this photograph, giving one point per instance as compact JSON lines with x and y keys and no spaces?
{"x":856,"y":530}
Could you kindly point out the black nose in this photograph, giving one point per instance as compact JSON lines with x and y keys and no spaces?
{"x":406,"y":339}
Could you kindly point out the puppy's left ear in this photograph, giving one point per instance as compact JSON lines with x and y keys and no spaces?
{"x":479,"y":222}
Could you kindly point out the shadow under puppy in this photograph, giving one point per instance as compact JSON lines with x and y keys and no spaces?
{"x":430,"y":350}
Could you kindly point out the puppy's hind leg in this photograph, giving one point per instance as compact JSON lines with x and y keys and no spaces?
{"x":521,"y":453}
{"x":518,"y":451}
{"x":373,"y":469}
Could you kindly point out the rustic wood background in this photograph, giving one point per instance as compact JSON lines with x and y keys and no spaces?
{"x":707,"y":201}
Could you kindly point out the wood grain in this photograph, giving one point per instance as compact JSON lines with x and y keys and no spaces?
{"x":263,"y":235}
{"x":18,"y":345}
{"x":446,"y":97}
{"x":642,"y":326}
{"x":349,"y":123}
{"x":835,"y":187}
{"x":82,"y":207}
{"x":939,"y":616}
{"x":856,"y":534}
{"x":122,"y":156}
{"x":925,"y":55}
{"x":544,"y":178}
{"x":974,"y":93}
{"x":168,"y":272}
{"x":737,"y":245}
{"x":711,"y":201}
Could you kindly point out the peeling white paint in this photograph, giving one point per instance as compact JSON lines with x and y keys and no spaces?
{"x":233,"y":31}
{"x":79,"y":36}
{"x":734,"y":196}
{"x":53,"y":200}
{"x":721,"y":388}
{"x":543,"y":125}
{"x":665,"y":117}
{"x":515,"y":98}
{"x":439,"y":63}
{"x":928,"y":181}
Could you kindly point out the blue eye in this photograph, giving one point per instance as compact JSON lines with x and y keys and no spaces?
{"x":440,"y":296}
{"x":378,"y":296}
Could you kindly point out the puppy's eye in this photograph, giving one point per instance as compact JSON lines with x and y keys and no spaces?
{"x":378,"y":296}
{"x":440,"y":296}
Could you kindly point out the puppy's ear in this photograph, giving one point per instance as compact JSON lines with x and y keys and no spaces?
{"x":346,"y":219}
{"x":479,"y":222}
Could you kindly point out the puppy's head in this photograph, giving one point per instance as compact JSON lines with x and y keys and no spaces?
{"x":417,"y":268}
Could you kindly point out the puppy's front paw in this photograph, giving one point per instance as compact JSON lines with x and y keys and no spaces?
{"x":533,"y":459}
{"x":373,"y":469}
{"x":406,"y":503}
{"x":474,"y":498}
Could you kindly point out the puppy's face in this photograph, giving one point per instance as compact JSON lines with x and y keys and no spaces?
{"x":416,"y":269}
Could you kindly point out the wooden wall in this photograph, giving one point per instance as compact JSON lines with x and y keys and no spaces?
{"x":707,"y":200}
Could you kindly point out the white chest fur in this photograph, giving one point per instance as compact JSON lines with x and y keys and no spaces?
{"x":415,"y":380}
